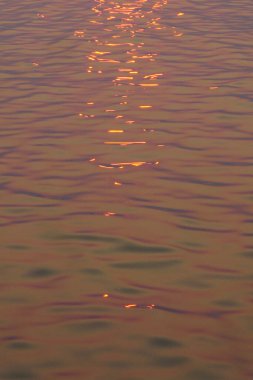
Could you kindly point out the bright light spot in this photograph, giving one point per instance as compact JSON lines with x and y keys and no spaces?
{"x":79,"y":33}
{"x":115,"y":131}
{"x":108,"y":213}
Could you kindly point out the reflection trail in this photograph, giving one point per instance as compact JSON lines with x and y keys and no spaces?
{"x":118,"y":53}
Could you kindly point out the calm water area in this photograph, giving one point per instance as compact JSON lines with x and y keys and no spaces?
{"x":126,"y":190}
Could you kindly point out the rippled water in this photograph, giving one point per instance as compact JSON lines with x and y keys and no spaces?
{"x":126,"y":190}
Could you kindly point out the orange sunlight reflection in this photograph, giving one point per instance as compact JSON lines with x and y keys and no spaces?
{"x":124,"y":21}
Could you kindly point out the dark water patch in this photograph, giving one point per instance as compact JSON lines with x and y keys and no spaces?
{"x":18,"y":247}
{"x":204,"y":374}
{"x":222,"y":277}
{"x":140,"y":248}
{"x":202,"y":229}
{"x":63,"y":197}
{"x":172,"y":210}
{"x":184,"y":147}
{"x":138,"y":199}
{"x":147,"y":264}
{"x":161,"y":342}
{"x":123,"y":245}
{"x":196,"y":181}
{"x":196,"y":283}
{"x":74,"y":308}
{"x":227,"y":303}
{"x":20,"y":346}
{"x":89,"y":327}
{"x":41,"y":272}
{"x":90,"y":352}
{"x":19,"y":374}
{"x":14,"y":299}
{"x":170,"y":361}
{"x":230,"y":163}
{"x":67,"y":374}
{"x":11,"y":338}
{"x":50,"y":364}
{"x":82,"y":237}
{"x":128,"y":290}
{"x":247,"y":254}
{"x":248,"y":322}
{"x":121,"y":364}
{"x":92,"y":271}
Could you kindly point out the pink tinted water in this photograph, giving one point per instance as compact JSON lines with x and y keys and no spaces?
{"x":126,"y":190}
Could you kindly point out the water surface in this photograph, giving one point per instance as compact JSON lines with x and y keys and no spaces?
{"x":126,"y":190}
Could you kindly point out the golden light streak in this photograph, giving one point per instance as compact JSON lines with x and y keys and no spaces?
{"x":95,"y":22}
{"x":125,"y":16}
{"x":101,"y":52}
{"x":86,"y":116}
{"x":107,"y":60}
{"x":105,"y":167}
{"x":127,"y":43}
{"x":105,"y":295}
{"x":130,"y":306}
{"x":149,"y":84}
{"x":152,"y":76}
{"x":144,"y":56}
{"x":79,"y":33}
{"x":115,"y":131}
{"x":109,"y":213}
{"x":124,"y":78}
{"x":124,"y":143}
{"x":134,"y":163}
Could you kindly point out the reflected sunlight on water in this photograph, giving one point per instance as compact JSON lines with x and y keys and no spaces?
{"x":126,"y":190}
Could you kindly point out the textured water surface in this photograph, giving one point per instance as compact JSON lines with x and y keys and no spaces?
{"x":126,"y":190}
